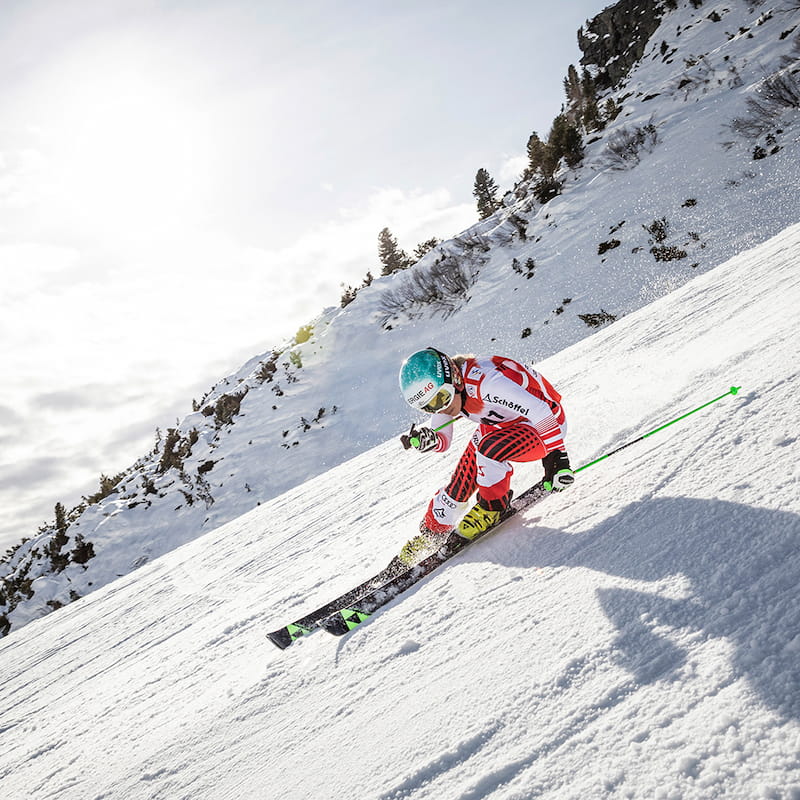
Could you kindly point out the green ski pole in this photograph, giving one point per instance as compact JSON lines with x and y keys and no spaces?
{"x":734,"y":390}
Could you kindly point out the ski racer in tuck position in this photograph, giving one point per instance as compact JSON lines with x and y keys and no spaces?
{"x":520,"y":419}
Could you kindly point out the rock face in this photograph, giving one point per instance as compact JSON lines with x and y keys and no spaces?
{"x":616,"y":38}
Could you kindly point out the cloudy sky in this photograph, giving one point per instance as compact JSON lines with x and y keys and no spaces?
{"x":183,"y":183}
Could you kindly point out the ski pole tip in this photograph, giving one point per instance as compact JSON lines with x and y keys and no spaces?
{"x":735,"y":390}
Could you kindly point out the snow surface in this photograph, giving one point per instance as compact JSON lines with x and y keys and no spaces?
{"x":699,"y":176}
{"x":634,"y":637}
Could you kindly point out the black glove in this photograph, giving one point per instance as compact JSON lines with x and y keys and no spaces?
{"x":557,"y":473}
{"x":424,"y":439}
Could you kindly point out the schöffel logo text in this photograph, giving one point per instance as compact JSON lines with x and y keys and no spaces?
{"x":501,"y":401}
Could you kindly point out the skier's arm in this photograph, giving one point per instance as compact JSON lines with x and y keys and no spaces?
{"x":445,"y":435}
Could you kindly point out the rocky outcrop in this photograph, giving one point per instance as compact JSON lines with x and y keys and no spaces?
{"x":616,"y":38}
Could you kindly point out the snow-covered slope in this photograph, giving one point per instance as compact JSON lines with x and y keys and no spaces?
{"x":636,"y":636}
{"x":282,"y":419}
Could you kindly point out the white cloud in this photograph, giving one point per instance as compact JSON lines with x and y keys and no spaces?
{"x":511,"y":169}
{"x":342,"y":250}
{"x":20,"y":172}
{"x":27,"y":267}
{"x":101,"y":346}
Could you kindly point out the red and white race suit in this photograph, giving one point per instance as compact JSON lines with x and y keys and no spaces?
{"x":519,"y":418}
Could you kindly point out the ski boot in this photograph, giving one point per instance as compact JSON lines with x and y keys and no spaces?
{"x":558,"y":474}
{"x":482,"y":516}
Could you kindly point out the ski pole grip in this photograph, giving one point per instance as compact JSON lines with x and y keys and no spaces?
{"x":414,"y":440}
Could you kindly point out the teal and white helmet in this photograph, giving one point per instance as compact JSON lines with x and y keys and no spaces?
{"x":429,"y":380}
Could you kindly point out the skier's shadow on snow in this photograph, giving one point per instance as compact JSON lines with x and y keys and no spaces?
{"x":740,"y":569}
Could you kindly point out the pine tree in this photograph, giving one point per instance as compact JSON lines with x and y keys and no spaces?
{"x":485,"y":192}
{"x":391,"y":256}
{"x":348,"y":295}
{"x":572,"y":87}
{"x":592,"y":121}
{"x":537,"y":152}
{"x":573,"y":146}
{"x":425,"y":247}
{"x":588,"y":86}
{"x":83,"y":550}
{"x":53,"y":549}
{"x":542,"y":164}
{"x":61,"y":522}
{"x":107,"y":484}
{"x":611,"y":109}
{"x":591,"y":118}
{"x":565,"y":141}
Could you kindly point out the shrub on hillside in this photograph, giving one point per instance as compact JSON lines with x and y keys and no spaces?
{"x":596,"y":320}
{"x":604,"y":247}
{"x":176,"y":449}
{"x":107,"y":487}
{"x":82,"y":551}
{"x":265,"y":373}
{"x":776,"y":93}
{"x":227,"y":407}
{"x":443,"y":286}
{"x":625,"y":146}
{"x":304,"y":334}
{"x":528,"y":270}
{"x":658,"y":230}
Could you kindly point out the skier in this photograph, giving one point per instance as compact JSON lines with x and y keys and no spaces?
{"x":519,"y":418}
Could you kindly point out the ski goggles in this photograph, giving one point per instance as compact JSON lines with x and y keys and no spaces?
{"x":440,"y":400}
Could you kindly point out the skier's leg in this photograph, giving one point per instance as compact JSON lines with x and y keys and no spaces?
{"x":444,"y":510}
{"x":448,"y":503}
{"x":495,"y":452}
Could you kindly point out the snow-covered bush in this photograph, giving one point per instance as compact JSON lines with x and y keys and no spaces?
{"x":596,"y":320}
{"x":227,"y":407}
{"x":442,"y":286}
{"x":776,"y":93}
{"x":624,"y":147}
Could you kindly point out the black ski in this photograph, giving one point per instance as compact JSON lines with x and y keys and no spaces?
{"x":284,"y":636}
{"x":349,"y":616}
